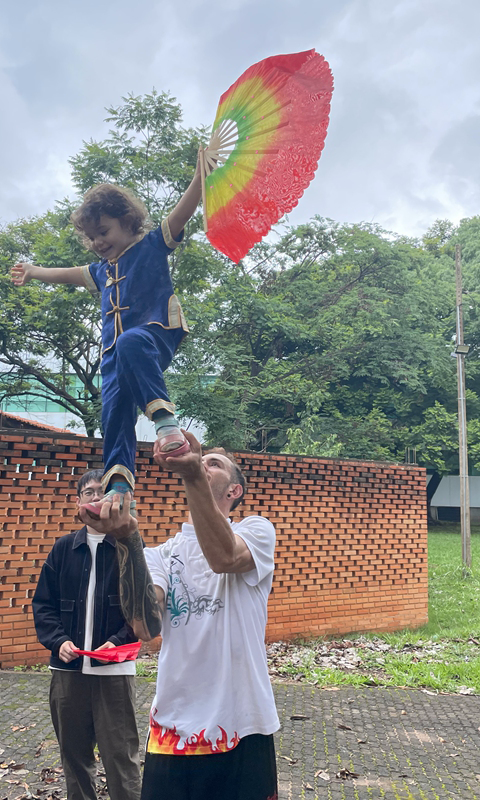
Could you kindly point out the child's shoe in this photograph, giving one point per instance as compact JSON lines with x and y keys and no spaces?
{"x":94,"y":509}
{"x":171,"y":441}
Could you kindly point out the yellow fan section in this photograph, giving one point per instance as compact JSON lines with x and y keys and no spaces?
{"x":245,"y":128}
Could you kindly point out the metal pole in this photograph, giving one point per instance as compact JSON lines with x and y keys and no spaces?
{"x":462,"y":421}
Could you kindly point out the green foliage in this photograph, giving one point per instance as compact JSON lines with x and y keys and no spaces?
{"x":437,"y":439}
{"x":146,"y":150}
{"x":329,"y":342}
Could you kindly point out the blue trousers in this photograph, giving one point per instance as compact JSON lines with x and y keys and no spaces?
{"x":132,"y":378}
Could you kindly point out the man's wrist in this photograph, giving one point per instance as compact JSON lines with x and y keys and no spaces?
{"x":195,"y":479}
{"x":131,"y":531}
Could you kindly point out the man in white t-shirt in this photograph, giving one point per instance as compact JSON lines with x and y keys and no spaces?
{"x":213,"y":714}
{"x":77,"y":606}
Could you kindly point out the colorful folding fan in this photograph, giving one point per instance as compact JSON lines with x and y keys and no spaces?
{"x":267,"y":137}
{"x":124,"y":652}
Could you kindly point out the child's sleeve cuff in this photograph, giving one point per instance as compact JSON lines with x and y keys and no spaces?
{"x":167,"y":236}
{"x":89,"y":282}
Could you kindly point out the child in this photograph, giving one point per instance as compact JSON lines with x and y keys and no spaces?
{"x":142,"y":320}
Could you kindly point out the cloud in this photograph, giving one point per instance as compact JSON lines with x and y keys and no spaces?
{"x":403,"y":140}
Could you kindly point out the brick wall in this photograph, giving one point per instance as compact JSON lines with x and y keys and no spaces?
{"x":351,"y":536}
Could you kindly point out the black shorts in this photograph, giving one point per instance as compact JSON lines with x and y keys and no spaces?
{"x":248,"y":772}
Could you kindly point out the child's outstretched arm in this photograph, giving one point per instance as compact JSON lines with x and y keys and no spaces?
{"x":22,"y":273}
{"x":186,"y":207}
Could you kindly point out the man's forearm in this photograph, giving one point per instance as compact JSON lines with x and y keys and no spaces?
{"x":137,"y":593}
{"x":213,"y":530}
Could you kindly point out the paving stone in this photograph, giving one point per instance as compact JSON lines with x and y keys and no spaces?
{"x":428,"y":753}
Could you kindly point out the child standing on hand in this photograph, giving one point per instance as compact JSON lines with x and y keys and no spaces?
{"x":142,"y":320}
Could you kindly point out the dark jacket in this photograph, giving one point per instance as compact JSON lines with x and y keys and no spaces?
{"x":60,"y":598}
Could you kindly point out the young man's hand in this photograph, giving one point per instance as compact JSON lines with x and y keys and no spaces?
{"x":189,"y":465}
{"x":114,"y":519}
{"x":105,"y":646}
{"x":22,"y":273}
{"x":66,"y":653}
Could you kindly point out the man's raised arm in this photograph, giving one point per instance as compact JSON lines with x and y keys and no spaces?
{"x":142,"y":603}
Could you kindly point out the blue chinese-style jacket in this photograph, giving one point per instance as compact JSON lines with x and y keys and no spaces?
{"x":137,"y":289}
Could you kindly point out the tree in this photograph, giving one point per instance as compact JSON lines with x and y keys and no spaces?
{"x":338,"y":331}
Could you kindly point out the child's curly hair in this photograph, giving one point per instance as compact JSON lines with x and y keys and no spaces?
{"x":113,"y":201}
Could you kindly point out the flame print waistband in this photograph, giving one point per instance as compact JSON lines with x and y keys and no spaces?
{"x":166,"y":741}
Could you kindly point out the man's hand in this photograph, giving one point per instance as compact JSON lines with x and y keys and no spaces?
{"x":22,"y":273}
{"x":66,"y":653}
{"x":113,"y":520}
{"x":105,"y":646}
{"x":189,"y":465}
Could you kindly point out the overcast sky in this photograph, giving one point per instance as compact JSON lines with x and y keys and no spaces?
{"x":403,"y":143}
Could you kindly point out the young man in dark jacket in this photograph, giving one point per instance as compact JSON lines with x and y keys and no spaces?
{"x":77,"y":605}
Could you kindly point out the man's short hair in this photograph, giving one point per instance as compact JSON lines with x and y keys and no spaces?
{"x":93,"y":475}
{"x":237,"y":474}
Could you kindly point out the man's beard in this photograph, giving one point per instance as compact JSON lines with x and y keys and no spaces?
{"x":219,"y":489}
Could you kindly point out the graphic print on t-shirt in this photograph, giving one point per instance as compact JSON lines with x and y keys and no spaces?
{"x":168,"y":742}
{"x":182,"y":602}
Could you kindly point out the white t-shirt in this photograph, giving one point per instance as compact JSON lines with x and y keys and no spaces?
{"x":213,"y":686}
{"x":124,"y":668}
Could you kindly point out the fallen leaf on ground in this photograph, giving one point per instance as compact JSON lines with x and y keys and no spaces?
{"x":290,"y":760}
{"x":299,"y":716}
{"x":345,"y":773}
{"x":23,"y":727}
{"x":343,"y":727}
{"x":323,"y":774}
{"x":362,"y":741}
{"x":308,"y":787}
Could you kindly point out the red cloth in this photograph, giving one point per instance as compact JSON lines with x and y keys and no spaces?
{"x":125,"y":652}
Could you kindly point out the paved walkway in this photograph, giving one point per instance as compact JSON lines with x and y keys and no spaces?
{"x":361,"y":744}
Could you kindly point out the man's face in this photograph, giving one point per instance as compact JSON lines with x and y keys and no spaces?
{"x":219,"y":473}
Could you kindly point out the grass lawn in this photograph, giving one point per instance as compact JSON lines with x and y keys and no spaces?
{"x":443,"y":655}
{"x":454,"y":602}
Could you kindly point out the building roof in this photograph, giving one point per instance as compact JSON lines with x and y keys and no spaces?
{"x":8,"y":420}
